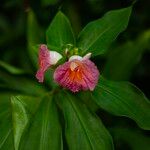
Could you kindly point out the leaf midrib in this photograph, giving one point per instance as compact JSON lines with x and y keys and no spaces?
{"x":131,"y":112}
{"x":82,"y":124}
{"x":44,"y":126}
{"x":104,"y":32}
{"x":4,"y":139}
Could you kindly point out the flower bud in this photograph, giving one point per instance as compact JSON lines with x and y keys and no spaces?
{"x":46,"y":59}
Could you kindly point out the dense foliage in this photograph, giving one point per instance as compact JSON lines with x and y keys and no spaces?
{"x":34,"y":116}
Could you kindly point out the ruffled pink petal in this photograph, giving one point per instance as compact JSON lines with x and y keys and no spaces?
{"x":44,"y":62}
{"x":84,"y":76}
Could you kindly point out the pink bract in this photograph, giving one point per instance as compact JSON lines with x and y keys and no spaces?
{"x":77,"y":75}
{"x":44,"y":62}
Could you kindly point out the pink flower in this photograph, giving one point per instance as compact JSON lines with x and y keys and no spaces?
{"x":77,"y":74}
{"x":46,"y":59}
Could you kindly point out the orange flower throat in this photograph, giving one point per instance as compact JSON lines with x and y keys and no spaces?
{"x":75,"y":71}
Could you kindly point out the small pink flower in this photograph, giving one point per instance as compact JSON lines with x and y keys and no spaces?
{"x":46,"y":59}
{"x":77,"y":74}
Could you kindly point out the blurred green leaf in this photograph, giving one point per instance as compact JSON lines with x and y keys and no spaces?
{"x":49,"y":2}
{"x":4,"y":24}
{"x":59,"y":33}
{"x":20,"y":84}
{"x":122,"y":59}
{"x":134,"y":138}
{"x":11,"y":69}
{"x":123,"y":99}
{"x":10,"y":32}
{"x":97,"y":36}
{"x":83,"y":129}
{"x":35,"y":35}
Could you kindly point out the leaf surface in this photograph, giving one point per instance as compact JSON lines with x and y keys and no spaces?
{"x":29,"y":123}
{"x":83,"y":129}
{"x":97,"y":36}
{"x":59,"y":33}
{"x":42,"y":128}
{"x":123,"y":99}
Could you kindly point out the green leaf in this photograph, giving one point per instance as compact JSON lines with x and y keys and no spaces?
{"x":123,"y":99}
{"x":38,"y":122}
{"x":6,"y":133}
{"x":83,"y":129}
{"x":11,"y":69}
{"x":129,"y":54}
{"x":127,"y":135}
{"x":85,"y":97}
{"x":97,"y":36}
{"x":59,"y":33}
{"x":21,"y":113}
{"x":20,"y":84}
{"x":49,"y":2}
{"x":30,"y":123}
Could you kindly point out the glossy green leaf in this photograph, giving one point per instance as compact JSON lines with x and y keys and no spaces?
{"x":59,"y":33}
{"x":30,"y":123}
{"x":123,"y":99}
{"x":35,"y":123}
{"x":12,"y":118}
{"x":83,"y":129}
{"x":22,"y":109}
{"x":6,"y":132}
{"x":122,"y":59}
{"x":97,"y":36}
